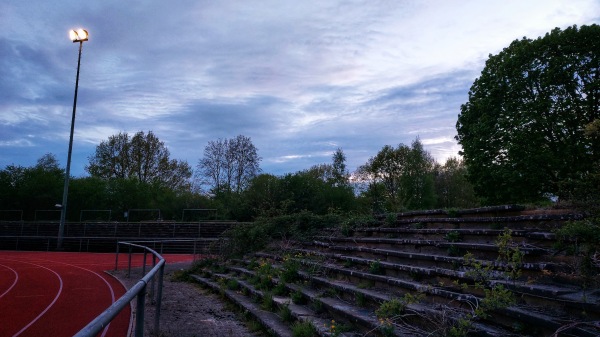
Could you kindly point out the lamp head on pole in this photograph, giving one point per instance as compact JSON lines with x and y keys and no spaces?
{"x":78,"y":35}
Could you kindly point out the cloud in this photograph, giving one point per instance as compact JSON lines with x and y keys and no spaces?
{"x":300,"y":78}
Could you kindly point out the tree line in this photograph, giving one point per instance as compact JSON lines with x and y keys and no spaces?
{"x":137,"y":173}
{"x":530,"y":132}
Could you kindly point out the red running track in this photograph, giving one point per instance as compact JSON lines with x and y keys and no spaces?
{"x":58,"y":293}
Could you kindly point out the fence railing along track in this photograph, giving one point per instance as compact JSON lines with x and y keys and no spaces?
{"x":138,"y":292}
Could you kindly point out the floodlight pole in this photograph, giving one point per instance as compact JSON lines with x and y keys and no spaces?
{"x":63,"y":209}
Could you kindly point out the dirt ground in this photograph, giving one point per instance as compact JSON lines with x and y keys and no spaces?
{"x":187,"y":310}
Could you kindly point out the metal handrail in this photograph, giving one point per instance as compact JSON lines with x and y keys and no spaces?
{"x":138,"y":290}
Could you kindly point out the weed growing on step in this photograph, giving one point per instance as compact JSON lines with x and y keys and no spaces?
{"x":298,"y":297}
{"x":481,"y":273}
{"x":453,"y":212}
{"x":330,"y":292}
{"x":232,"y":284}
{"x":333,"y":328}
{"x":304,"y":329}
{"x":582,"y":240}
{"x":254,"y":325}
{"x":317,"y":306}
{"x":417,"y":225}
{"x":360,"y":299}
{"x":395,"y":307}
{"x":264,"y":276}
{"x":286,"y":314}
{"x":197,"y":267}
{"x":349,"y":225}
{"x":316,"y":267}
{"x":453,"y":236}
{"x":245,"y":291}
{"x":267,"y":301}
{"x":376,"y":268}
{"x":495,"y":298}
{"x":366,"y":284}
{"x":495,"y":295}
{"x":289,"y":270}
{"x":386,"y":327}
{"x":280,"y":289}
{"x":253,"y":264}
{"x":453,"y":251}
{"x":348,"y":263}
{"x":510,"y":254}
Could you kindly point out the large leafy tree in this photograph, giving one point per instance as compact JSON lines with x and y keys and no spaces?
{"x":522,"y":130}
{"x":143,"y":158}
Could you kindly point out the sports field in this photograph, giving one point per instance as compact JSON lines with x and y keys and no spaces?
{"x":58,"y":293}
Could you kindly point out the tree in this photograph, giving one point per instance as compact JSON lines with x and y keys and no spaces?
{"x":142,"y":157}
{"x":522,"y":129}
{"x":229,"y":165}
{"x":417,"y":181}
{"x":386,"y":169}
{"x":339,"y":172}
{"x":400,"y":177}
{"x":452,"y":188}
{"x":32,"y":188}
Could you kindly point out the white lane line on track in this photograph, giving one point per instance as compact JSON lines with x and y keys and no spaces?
{"x":14,"y":282}
{"x":112,"y":292}
{"x":49,"y":306}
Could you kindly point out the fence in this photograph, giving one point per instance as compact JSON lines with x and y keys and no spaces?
{"x":138,"y":291}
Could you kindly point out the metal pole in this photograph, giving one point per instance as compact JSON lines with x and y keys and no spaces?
{"x":140,"y":308}
{"x":158,"y":299}
{"x":144,"y":263}
{"x":117,"y":258}
{"x":63,"y":209}
{"x":129,"y":263}
{"x":152,"y":282}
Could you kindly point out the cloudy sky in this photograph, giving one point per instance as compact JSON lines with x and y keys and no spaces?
{"x":300,"y":78}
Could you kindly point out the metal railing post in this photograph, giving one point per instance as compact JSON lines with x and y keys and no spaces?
{"x":158,"y":300}
{"x":195,"y":243}
{"x":152,"y":281}
{"x":129,"y":264}
{"x":117,"y":258}
{"x":139,"y":314}
{"x":144,"y":263}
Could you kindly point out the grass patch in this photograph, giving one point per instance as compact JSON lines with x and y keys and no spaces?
{"x":304,"y":329}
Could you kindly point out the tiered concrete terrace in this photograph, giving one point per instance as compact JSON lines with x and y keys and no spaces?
{"x":419,"y":260}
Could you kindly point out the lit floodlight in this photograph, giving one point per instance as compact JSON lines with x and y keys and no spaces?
{"x":78,"y":35}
